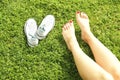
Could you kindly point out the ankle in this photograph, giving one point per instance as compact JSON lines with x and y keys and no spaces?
{"x":73,"y":42}
{"x":87,"y":36}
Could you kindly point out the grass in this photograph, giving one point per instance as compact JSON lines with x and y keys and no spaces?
{"x":51,"y":60}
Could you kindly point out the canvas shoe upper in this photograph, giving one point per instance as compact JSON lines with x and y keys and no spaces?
{"x":45,"y":27}
{"x":30,"y":29}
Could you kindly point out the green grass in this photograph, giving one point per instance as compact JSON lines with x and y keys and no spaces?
{"x":51,"y":60}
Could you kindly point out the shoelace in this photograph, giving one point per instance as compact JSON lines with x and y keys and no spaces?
{"x":41,"y":30}
{"x":43,"y":27}
{"x":33,"y":37}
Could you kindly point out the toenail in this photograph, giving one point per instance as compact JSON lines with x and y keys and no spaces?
{"x":78,"y":12}
{"x":71,"y":21}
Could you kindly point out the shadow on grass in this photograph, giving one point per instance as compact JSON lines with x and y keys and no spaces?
{"x":68,"y":64}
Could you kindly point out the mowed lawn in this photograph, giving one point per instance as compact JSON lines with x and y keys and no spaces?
{"x":51,"y":59}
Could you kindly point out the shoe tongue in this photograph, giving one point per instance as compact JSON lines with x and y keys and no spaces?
{"x":42,"y":29}
{"x":32,"y":37}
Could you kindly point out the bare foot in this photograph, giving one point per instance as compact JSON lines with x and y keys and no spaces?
{"x":68,"y":33}
{"x":83,"y":22}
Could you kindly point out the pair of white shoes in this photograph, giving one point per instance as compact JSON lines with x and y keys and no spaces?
{"x":33,"y":33}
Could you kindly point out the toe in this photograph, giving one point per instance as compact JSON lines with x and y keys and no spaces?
{"x":64,"y":27}
{"x":67,"y":26}
{"x":78,"y":14}
{"x":71,"y":23}
{"x":83,"y":15}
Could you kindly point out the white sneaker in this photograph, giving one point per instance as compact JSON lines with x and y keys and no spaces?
{"x":45,"y":27}
{"x":30,"y":29}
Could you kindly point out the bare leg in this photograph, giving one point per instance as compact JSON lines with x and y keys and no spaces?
{"x":103,"y":56}
{"x":87,"y":68}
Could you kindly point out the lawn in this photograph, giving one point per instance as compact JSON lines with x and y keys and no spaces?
{"x":51,"y":60}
